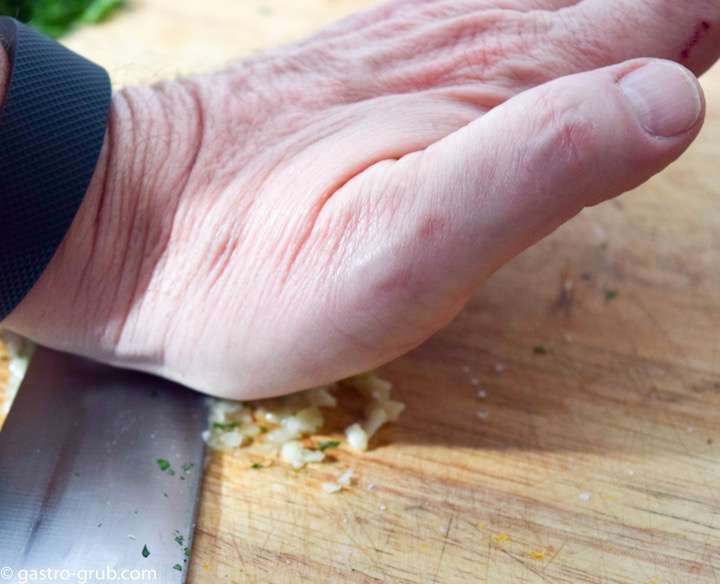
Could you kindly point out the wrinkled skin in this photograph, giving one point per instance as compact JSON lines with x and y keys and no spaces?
{"x":327,"y":206}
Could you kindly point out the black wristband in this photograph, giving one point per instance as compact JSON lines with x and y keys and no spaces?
{"x":52,"y":126}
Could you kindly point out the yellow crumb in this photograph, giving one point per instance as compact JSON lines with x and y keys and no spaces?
{"x":499,"y":538}
{"x":538,"y":555}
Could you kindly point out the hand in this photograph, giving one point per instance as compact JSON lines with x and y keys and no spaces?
{"x":326,"y":207}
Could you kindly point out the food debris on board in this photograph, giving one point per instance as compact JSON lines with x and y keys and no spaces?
{"x":343,"y":481}
{"x":500,"y":538}
{"x":17,"y":353}
{"x":283,"y":428}
{"x":277,"y":426}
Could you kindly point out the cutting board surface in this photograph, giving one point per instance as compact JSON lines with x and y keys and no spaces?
{"x":598,"y":461}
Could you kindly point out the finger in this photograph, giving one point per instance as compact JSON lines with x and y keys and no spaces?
{"x":595,"y":33}
{"x":470,"y":202}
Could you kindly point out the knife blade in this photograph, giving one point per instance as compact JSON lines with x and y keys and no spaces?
{"x":100,"y":469}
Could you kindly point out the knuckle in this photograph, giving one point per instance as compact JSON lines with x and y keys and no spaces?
{"x":565,"y":130}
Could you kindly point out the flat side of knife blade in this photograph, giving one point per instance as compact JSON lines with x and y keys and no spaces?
{"x":81,"y":485}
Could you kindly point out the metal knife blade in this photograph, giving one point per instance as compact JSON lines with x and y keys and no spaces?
{"x":84,"y":481}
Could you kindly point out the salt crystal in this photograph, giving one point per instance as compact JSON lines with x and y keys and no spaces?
{"x":482,"y":393}
{"x":584,"y":497}
{"x":482,"y":414}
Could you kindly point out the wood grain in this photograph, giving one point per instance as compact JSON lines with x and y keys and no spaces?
{"x":596,"y":462}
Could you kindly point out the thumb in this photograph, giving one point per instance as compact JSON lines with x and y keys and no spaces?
{"x":459,"y":209}
{"x":511,"y":177}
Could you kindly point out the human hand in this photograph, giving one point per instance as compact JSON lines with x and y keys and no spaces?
{"x":327,"y":206}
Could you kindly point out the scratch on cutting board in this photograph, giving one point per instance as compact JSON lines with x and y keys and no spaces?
{"x":442,"y":551}
{"x":555,"y":555}
{"x":372,"y":560}
{"x":237,"y":550}
{"x":538,"y":573}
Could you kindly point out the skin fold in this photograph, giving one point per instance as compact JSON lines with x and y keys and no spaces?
{"x":327,"y":206}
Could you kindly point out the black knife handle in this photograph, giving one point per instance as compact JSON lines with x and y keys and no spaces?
{"x":52,"y":126}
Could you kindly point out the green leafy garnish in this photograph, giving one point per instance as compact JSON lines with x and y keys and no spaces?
{"x":325,"y":444}
{"x":145,"y":551}
{"x":225,"y":426}
{"x":165,"y":466}
{"x":187,"y":467}
{"x":611,"y":295}
{"x":58,"y":17}
{"x":539,"y":350}
{"x":256,"y":465}
{"x":179,"y":539}
{"x":177,"y":567}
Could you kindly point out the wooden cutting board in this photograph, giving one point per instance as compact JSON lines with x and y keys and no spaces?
{"x":594,"y":459}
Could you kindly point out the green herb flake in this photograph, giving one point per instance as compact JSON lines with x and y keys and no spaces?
{"x":225,"y":426}
{"x":177,"y":567}
{"x":327,"y":444}
{"x":540,"y":350}
{"x":163,"y":464}
{"x":256,"y":466}
{"x":186,"y":468}
{"x":145,"y":551}
{"x":611,"y":295}
{"x":186,"y":551}
{"x":179,"y":539}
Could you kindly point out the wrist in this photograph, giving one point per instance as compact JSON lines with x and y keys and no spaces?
{"x":120,"y":231}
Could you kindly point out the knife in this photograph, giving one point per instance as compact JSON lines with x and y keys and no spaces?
{"x":100,"y":473}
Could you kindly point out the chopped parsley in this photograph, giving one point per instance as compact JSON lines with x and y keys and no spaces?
{"x":179,"y":539}
{"x":326,"y":444}
{"x":225,"y":426}
{"x":540,"y":350}
{"x":177,"y":567}
{"x":256,"y":465}
{"x":611,"y":295}
{"x":165,"y":466}
{"x":186,"y":468}
{"x":145,"y":551}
